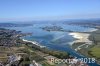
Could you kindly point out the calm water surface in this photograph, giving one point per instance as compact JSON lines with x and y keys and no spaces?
{"x":55,"y":40}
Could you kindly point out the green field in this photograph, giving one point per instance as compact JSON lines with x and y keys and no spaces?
{"x":95,"y":51}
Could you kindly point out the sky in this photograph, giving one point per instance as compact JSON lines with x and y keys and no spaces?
{"x":24,"y":10}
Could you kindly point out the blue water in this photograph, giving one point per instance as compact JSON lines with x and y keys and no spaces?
{"x":53,"y":40}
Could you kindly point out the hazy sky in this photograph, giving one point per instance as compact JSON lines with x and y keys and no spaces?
{"x":48,"y":9}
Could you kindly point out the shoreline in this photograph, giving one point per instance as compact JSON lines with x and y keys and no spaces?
{"x":34,"y":42}
{"x":81,"y":37}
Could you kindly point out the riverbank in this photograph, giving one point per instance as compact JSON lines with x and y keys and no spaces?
{"x":80,"y":37}
{"x":37,"y":47}
{"x":35,"y":43}
{"x":93,"y":49}
{"x":82,"y":40}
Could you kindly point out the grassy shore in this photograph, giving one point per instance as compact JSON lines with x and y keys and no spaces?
{"x":92,"y":50}
{"x":95,"y":49}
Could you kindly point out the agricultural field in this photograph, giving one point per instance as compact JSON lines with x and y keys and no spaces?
{"x":95,"y":51}
{"x":4,"y":51}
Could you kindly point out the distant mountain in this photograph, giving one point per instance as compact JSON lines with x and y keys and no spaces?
{"x":13,"y":25}
{"x":82,"y":21}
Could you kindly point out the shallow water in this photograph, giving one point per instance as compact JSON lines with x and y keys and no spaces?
{"x":55,"y":40}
